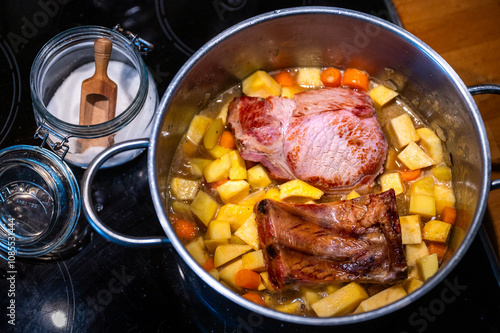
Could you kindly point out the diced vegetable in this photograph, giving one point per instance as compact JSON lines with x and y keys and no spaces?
{"x":423,"y":186}
{"x":444,"y":197}
{"x":290,"y":92}
{"x":412,"y":284}
{"x":381,"y":95}
{"x":331,"y":288}
{"x":411,"y":229}
{"x":254,"y":261}
{"x":356,"y":79}
{"x":436,"y":231}
{"x":214,"y":273}
{"x":442,"y":172}
{"x":431,"y":143}
{"x":258,"y":177}
{"x":247,"y":279}
{"x":218,"y":230}
{"x":299,"y":188}
{"x":428,"y":265}
{"x":249,"y":233}
{"x":213,"y":133}
{"x":218,"y":169}
{"x":423,"y":205}
{"x":353,"y":195}
{"x":223,"y":112}
{"x":253,"y":198}
{"x":289,"y":307}
{"x":185,"y":230}
{"x":208,"y":265}
{"x":391,"y":180}
{"x":309,"y":295}
{"x":181,"y":208}
{"x":236,"y":240}
{"x":309,"y":77}
{"x":273,"y":193}
{"x":212,"y":244}
{"x":410,"y":175}
{"x":204,"y":207}
{"x":438,"y":248}
{"x":198,"y":251}
{"x":383,"y":298}
{"x":233,"y":191}
{"x":197,"y":128}
{"x":260,"y":84}
{"x":285,"y":79}
{"x":414,"y":157}
{"x":185,"y":189}
{"x":391,"y":162}
{"x":238,"y":169}
{"x":236,"y":215}
{"x":402,"y":131}
{"x":340,"y":302}
{"x":197,"y":166}
{"x":449,"y":214}
{"x":228,"y":272}
{"x":255,"y":298}
{"x":228,"y":252}
{"x":227,"y":140}
{"x":218,"y":151}
{"x":331,"y":77}
{"x":265,"y":280}
{"x":414,"y":252}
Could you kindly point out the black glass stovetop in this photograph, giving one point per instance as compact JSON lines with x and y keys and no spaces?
{"x":93,"y":285}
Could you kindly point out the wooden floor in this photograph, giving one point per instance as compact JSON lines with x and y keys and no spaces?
{"x":466,"y":33}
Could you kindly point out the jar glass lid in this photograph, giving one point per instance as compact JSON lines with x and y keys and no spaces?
{"x":39,"y":201}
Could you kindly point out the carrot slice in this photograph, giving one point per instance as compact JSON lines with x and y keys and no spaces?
{"x":331,"y":77}
{"x":255,"y":298}
{"x":285,"y":79}
{"x":185,"y":230}
{"x":439,"y":248}
{"x":356,"y":79}
{"x":449,"y":215}
{"x":208,"y":265}
{"x":410,"y":174}
{"x":248,"y":279}
{"x":227,"y":140}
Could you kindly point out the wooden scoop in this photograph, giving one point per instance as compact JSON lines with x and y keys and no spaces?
{"x":98,"y":98}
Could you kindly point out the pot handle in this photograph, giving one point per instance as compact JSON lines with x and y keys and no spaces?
{"x":88,"y":207}
{"x":487,"y":89}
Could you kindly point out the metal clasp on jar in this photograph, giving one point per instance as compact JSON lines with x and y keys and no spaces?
{"x":43,"y":132}
{"x":143,"y":46}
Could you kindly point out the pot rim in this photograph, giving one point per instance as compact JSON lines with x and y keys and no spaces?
{"x":293,"y":319}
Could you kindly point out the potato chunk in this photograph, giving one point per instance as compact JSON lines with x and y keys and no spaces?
{"x":198,"y":251}
{"x":411,"y":229}
{"x":383,"y":298}
{"x":218,"y":169}
{"x":233,"y":191}
{"x":237,"y":170}
{"x":185,"y":189}
{"x":227,"y":252}
{"x":236,"y":215}
{"x":381,"y":95}
{"x":444,"y":197}
{"x":391,"y":180}
{"x":261,"y":84}
{"x":436,"y":231}
{"x":258,"y":177}
{"x":340,"y":302}
{"x":213,"y":133}
{"x":423,"y":205}
{"x":414,"y":252}
{"x":402,"y":131}
{"x":414,"y":157}
{"x":249,"y":233}
{"x":428,"y":265}
{"x":254,"y":261}
{"x":218,"y":230}
{"x":204,"y":207}
{"x":431,"y":143}
{"x":299,"y":188}
{"x":197,"y":128}
{"x":228,"y":273}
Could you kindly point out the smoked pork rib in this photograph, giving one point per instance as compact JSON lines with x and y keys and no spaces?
{"x":328,"y":137}
{"x":349,"y":240}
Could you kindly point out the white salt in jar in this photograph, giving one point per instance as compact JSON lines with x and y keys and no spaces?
{"x":56,"y":76}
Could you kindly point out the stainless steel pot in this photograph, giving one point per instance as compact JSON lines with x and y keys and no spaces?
{"x":317,"y":36}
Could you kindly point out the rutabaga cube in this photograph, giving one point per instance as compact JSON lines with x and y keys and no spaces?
{"x":197,"y":128}
{"x":249,"y":233}
{"x":218,"y":151}
{"x":436,"y":231}
{"x":254,"y":261}
{"x":414,"y":157}
{"x":382,"y":95}
{"x":197,"y":165}
{"x":212,"y":244}
{"x":228,"y":273}
{"x":391,"y":180}
{"x":411,"y":229}
{"x":238,"y":169}
{"x":261,"y":84}
{"x":412,"y":284}
{"x":235,"y":214}
{"x":431,"y":143}
{"x":218,"y":230}
{"x":258,"y":177}
{"x":341,"y":302}
{"x":414,"y":252}
{"x":198,"y":251}
{"x":184,"y":189}
{"x":444,"y":197}
{"x":428,"y":265}
{"x":204,"y":207}
{"x":423,"y":205}
{"x":402,"y":131}
{"x":233,"y":191}
{"x":423,"y":186}
{"x":213,"y":133}
{"x":227,"y":252}
{"x":218,"y":169}
{"x":383,"y":298}
{"x":299,"y":188}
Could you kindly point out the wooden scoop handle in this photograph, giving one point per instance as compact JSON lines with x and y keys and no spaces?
{"x":102,"y":52}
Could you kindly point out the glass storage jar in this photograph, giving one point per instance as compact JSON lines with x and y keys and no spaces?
{"x":59,"y":60}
